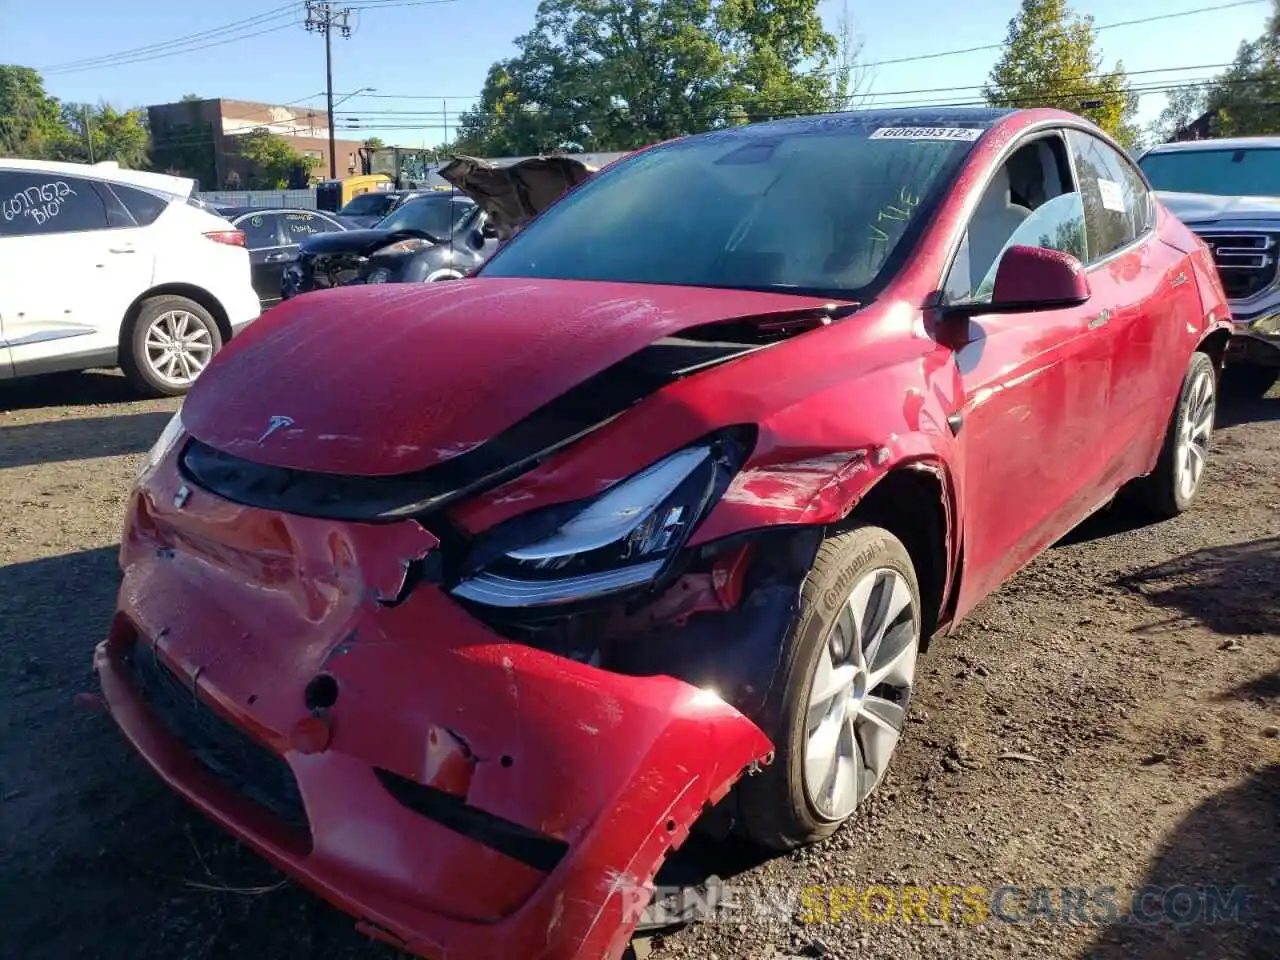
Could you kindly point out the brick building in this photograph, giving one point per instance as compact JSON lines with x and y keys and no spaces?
{"x":196,"y":138}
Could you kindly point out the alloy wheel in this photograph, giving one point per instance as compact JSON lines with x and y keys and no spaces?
{"x":858,"y":696}
{"x":178,"y":347}
{"x":1194,"y":433}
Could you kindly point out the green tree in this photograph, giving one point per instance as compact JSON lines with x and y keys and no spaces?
{"x":616,"y":75}
{"x":270,"y":158}
{"x":1050,"y":59}
{"x":116,"y":135}
{"x":29,"y":123}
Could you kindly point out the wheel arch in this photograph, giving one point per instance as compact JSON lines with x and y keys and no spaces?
{"x":1214,"y":345}
{"x":915,"y":501}
{"x":191,"y":292}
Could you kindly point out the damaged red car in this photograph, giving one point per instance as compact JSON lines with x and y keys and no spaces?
{"x":464,"y":603}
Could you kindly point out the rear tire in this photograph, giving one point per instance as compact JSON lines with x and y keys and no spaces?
{"x":862,"y":587}
{"x":1173,"y":485}
{"x":170,"y":342}
{"x":1248,"y":382}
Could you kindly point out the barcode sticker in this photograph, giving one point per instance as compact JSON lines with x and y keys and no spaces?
{"x":926,"y":133}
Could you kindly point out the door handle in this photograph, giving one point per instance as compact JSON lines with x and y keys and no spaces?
{"x":121,"y":249}
{"x":275,"y":257}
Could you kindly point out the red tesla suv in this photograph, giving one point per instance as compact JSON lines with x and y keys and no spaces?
{"x":463,"y":602}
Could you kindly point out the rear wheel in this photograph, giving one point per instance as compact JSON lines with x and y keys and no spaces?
{"x":171,"y":342}
{"x":1172,"y":487}
{"x":1248,"y":382}
{"x":845,"y":678}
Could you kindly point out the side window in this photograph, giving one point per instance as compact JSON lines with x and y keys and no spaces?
{"x":1029,"y":201}
{"x":299,"y":226}
{"x":1058,"y":224}
{"x":144,"y":206}
{"x":1116,"y":212}
{"x":35,"y":204}
{"x":260,"y":230}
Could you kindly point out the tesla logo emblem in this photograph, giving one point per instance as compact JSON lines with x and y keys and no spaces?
{"x":274,"y":424}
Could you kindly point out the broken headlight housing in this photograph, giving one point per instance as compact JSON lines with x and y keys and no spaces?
{"x":169,"y":436}
{"x":625,"y":538}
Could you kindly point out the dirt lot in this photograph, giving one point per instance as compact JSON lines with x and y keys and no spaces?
{"x":1109,"y":718}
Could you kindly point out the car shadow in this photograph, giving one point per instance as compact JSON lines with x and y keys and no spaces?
{"x":85,"y":389}
{"x":1210,"y":892}
{"x":52,"y":441}
{"x":1260,"y":690}
{"x":1223,"y":588}
{"x":99,"y":855}
{"x":1108,"y":522}
{"x":1233,"y":411}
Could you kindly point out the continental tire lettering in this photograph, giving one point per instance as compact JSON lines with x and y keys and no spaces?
{"x":838,"y":592}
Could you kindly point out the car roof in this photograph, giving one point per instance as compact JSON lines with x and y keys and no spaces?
{"x":1221,"y":143}
{"x":246,"y":211}
{"x":107,"y":170}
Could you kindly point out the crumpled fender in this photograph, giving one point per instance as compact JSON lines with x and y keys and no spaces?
{"x":466,"y":796}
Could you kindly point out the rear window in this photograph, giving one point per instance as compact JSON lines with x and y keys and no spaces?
{"x":369,"y":205}
{"x":1252,"y":171}
{"x":143,"y":205}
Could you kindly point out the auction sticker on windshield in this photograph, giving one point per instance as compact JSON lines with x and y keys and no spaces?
{"x":927,"y":133}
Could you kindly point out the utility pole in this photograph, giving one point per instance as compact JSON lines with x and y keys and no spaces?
{"x":88,"y":131}
{"x":323,"y":17}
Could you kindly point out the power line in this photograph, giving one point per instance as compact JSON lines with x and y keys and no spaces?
{"x":1106,"y":26}
{"x":1064,"y":98}
{"x":160,"y":55}
{"x":236,"y":25}
{"x":323,"y":18}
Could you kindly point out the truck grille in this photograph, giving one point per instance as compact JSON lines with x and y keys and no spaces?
{"x":1246,"y":261}
{"x":238,"y":760}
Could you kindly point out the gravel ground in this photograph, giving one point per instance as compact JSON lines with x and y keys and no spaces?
{"x":1109,"y":719}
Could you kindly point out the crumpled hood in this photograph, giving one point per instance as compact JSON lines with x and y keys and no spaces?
{"x":363,"y":242}
{"x":385,"y":380}
{"x":514,"y":195}
{"x":1195,"y":208}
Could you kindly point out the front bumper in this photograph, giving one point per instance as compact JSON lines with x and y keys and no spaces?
{"x":463,"y":796}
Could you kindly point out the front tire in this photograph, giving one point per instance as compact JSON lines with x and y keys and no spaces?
{"x":1172,"y":487}
{"x":171,"y":341}
{"x":838,"y":705}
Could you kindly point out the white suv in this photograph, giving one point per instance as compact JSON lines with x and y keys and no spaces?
{"x":101,"y":267}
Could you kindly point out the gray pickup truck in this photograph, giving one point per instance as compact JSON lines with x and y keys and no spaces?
{"x":1228,"y":192}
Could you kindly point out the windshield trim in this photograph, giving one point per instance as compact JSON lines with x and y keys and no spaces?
{"x":889,"y":271}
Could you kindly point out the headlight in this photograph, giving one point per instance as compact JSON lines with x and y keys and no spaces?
{"x":408,"y":245}
{"x":623,"y":539}
{"x":169,"y":436}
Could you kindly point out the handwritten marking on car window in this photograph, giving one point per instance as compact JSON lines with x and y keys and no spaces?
{"x":901,"y":211}
{"x":40,"y":204}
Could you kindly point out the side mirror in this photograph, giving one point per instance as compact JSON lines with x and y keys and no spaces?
{"x":1030,"y":279}
{"x":489,"y":230}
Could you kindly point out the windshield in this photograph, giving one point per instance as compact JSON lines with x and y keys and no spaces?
{"x":1250,"y":172}
{"x":819,"y":208}
{"x":434,"y":216}
{"x":369,"y":205}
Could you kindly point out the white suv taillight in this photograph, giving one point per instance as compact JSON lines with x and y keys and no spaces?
{"x":232,"y":238}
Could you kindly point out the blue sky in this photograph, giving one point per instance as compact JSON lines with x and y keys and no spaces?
{"x":440,"y":50}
